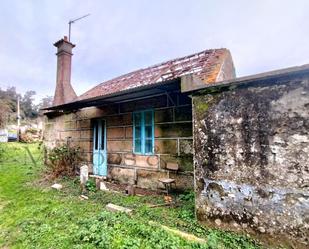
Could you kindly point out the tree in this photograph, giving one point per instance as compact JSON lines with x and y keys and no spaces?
{"x":4,"y":113}
{"x":27,"y":106}
{"x":9,"y":96}
{"x":8,"y":105}
{"x":46,"y":102}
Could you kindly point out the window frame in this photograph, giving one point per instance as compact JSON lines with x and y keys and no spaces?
{"x":142,"y":136}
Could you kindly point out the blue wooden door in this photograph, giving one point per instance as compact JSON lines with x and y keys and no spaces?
{"x":99,"y":148}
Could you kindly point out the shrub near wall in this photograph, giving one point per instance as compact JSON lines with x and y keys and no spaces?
{"x":63,"y":160}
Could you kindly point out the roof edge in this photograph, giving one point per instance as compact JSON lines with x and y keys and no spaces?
{"x":120,"y":93}
{"x":250,"y":78}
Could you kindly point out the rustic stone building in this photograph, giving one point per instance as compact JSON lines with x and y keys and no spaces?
{"x":250,"y":136}
{"x":130,"y":127}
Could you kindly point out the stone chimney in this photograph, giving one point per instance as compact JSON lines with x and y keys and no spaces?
{"x":64,"y":91}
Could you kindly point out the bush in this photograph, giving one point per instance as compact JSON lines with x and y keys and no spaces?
{"x":63,"y":160}
{"x":91,"y":186}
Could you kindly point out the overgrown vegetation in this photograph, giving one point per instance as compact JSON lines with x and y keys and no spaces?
{"x":90,"y":185}
{"x":32,"y":215}
{"x":63,"y":160}
{"x":121,"y":231}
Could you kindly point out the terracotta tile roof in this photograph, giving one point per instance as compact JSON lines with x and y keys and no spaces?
{"x":206,"y":65}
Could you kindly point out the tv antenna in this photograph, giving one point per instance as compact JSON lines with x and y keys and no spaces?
{"x":73,"y":21}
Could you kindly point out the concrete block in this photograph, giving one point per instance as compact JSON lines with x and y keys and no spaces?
{"x":129,"y":132}
{"x":166,"y":146}
{"x":97,"y":112}
{"x":69,"y":125}
{"x":190,"y":82}
{"x":83,"y":174}
{"x":173,"y":130}
{"x":149,"y":179}
{"x":172,"y":166}
{"x":86,"y":133}
{"x":147,"y":161}
{"x":86,"y":123}
{"x":83,"y":197}
{"x":85,"y":146}
{"x":113,"y":133}
{"x":67,"y":117}
{"x":118,"y":120}
{"x":103,"y":186}
{"x":122,"y":175}
{"x":115,"y":208}
{"x":114,"y":158}
{"x":185,"y":162}
{"x":57,"y":186}
{"x":119,"y":146}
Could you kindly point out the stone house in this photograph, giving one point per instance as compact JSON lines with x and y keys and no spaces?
{"x":243,"y":143}
{"x":130,"y":127}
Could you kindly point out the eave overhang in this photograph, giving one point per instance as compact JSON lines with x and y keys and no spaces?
{"x":126,"y":95}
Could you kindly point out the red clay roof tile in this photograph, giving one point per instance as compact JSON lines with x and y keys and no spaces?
{"x":206,"y":65}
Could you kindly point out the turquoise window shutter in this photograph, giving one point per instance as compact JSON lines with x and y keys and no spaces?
{"x":143,"y":132}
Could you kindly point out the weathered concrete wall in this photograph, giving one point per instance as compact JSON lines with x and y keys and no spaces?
{"x":251,"y":157}
{"x":173,"y":138}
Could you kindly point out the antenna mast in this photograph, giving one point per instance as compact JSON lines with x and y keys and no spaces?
{"x":73,"y":21}
{"x":18,"y":119}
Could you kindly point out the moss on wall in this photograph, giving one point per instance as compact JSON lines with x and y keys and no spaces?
{"x":251,"y":157}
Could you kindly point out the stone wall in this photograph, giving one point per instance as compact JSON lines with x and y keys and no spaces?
{"x":251,"y":159}
{"x":173,"y":138}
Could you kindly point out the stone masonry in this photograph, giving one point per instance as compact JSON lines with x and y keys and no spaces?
{"x":251,"y":158}
{"x":173,"y":138}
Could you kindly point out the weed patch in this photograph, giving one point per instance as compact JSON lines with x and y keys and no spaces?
{"x":35,"y":216}
{"x":63,"y":160}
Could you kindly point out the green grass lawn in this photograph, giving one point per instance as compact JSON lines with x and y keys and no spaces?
{"x":32,"y":215}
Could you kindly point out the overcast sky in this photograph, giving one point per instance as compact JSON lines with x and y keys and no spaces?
{"x":121,"y":36}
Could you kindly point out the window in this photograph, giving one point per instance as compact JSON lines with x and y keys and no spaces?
{"x":143,"y":132}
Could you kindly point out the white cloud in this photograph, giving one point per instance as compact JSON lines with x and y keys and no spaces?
{"x":121,"y":36}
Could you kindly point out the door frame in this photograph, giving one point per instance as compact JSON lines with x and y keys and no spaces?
{"x":103,"y":170}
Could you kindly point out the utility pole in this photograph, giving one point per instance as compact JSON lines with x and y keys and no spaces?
{"x":18,"y":119}
{"x":73,"y":21}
